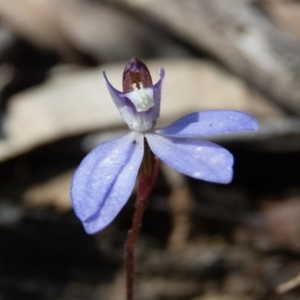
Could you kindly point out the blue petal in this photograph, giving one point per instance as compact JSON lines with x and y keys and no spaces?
{"x":105,"y":179}
{"x":210,"y":122}
{"x":125,"y":107}
{"x":157,"y":94}
{"x":193,"y":157}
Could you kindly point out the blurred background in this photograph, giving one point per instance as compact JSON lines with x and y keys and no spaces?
{"x":199,"y":241}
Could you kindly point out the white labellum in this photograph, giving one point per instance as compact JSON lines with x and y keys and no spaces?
{"x":142,"y":98}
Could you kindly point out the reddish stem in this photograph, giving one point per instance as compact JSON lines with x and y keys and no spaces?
{"x":147,"y":177}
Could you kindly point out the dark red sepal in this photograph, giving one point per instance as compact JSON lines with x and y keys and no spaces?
{"x":135,"y":72}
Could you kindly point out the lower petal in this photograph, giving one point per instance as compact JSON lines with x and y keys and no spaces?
{"x":105,"y":179}
{"x":210,"y":122}
{"x":193,"y":157}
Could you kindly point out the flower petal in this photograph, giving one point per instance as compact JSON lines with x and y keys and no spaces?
{"x":210,"y":122}
{"x":105,"y":179}
{"x":157,"y":94}
{"x":125,"y":107}
{"x":193,"y":157}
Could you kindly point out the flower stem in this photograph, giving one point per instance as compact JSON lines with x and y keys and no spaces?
{"x":147,"y":177}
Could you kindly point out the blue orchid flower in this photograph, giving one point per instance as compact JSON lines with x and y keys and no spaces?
{"x":103,"y":182}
